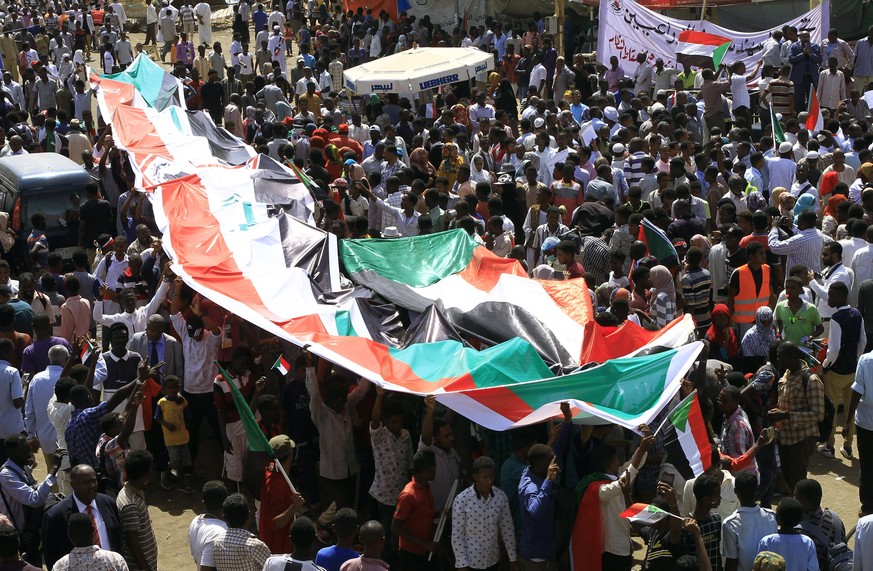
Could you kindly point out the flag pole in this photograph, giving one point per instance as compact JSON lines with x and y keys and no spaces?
{"x":442,"y":523}
{"x":282,"y":471}
{"x":225,"y":375}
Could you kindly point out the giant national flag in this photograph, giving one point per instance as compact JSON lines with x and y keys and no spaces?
{"x":701,"y":49}
{"x":238,"y":233}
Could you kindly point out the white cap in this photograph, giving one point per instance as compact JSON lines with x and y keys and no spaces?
{"x":611,"y":113}
{"x":539,"y":122}
{"x":618,"y":148}
{"x":812,"y":155}
{"x":784,"y":147}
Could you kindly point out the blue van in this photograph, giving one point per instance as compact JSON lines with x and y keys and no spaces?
{"x":41,"y":182}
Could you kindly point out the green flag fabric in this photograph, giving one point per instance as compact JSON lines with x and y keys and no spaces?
{"x":778,"y":134}
{"x":257,"y":441}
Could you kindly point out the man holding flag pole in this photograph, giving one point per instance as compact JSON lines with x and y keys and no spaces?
{"x":601,"y":538}
{"x":251,"y":432}
{"x":235,"y":419}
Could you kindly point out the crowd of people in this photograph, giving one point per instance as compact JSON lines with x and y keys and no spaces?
{"x":107,"y":359}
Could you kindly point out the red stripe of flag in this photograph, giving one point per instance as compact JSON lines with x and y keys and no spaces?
{"x":698,"y":429}
{"x":702,"y":38}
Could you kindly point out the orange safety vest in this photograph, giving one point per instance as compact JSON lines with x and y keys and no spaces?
{"x":747,"y":300}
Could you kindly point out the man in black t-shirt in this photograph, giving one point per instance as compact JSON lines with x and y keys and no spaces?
{"x":95,"y":218}
{"x":663,"y":547}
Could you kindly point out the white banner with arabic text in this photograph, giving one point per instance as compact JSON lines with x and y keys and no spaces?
{"x":626,"y":29}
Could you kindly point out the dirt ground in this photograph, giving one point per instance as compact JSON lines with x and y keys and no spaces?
{"x":172,"y":511}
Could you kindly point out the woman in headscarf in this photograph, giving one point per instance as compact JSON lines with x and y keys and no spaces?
{"x":451,"y":162}
{"x":662,"y":302}
{"x":493,"y":83}
{"x":786,"y":202}
{"x":805,"y":202}
{"x":334,"y":164}
{"x":756,"y":201}
{"x":865,"y":175}
{"x":459,"y":110}
{"x":477,"y":170}
{"x":723,"y":343}
{"x":705,"y":246}
{"x":757,"y":340}
{"x":240,"y":27}
{"x":504,"y":99}
{"x":829,"y":222}
{"x":250,"y":118}
{"x":418,"y":161}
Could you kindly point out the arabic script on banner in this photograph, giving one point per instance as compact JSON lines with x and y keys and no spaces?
{"x":627,"y":29}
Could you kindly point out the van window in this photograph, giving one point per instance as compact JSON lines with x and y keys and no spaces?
{"x":52,"y":204}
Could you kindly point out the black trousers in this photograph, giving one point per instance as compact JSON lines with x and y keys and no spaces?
{"x":613,"y":562}
{"x":407,"y":561}
{"x":202,"y":408}
{"x":150,"y":34}
{"x":865,"y":459}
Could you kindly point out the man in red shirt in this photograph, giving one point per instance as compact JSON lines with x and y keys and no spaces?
{"x":279,"y":504}
{"x":413,"y":517}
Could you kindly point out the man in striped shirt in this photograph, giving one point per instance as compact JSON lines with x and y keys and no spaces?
{"x":633,"y":165}
{"x":804,"y":247}
{"x":697,"y":289}
{"x":780,"y":93}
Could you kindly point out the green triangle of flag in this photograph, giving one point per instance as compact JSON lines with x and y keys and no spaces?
{"x":679,"y":416}
{"x":719,"y":53}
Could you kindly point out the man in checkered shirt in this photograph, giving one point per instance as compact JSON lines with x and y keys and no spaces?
{"x":238,"y":549}
{"x":800,"y":407}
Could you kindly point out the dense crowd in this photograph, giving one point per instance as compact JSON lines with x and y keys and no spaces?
{"x":107,"y":359}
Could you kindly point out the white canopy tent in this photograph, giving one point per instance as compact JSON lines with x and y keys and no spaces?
{"x":417,"y":69}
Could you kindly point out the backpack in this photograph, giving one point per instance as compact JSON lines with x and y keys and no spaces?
{"x":839,"y":556}
{"x":830,"y":411}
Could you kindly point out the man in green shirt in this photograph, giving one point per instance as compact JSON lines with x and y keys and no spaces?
{"x":796,"y":318}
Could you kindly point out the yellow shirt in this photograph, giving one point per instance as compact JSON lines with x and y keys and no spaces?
{"x":174,"y":413}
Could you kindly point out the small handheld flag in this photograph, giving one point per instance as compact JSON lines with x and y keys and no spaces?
{"x":686,"y":440}
{"x":658,"y":244}
{"x":282,"y":366}
{"x":815,"y":121}
{"x":85,"y":352}
{"x":701,"y":49}
{"x":645,"y":514}
{"x":778,"y":134}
